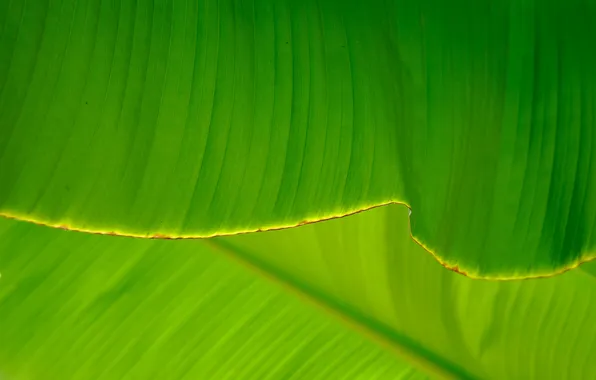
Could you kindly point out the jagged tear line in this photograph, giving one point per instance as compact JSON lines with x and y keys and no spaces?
{"x":455,"y":268}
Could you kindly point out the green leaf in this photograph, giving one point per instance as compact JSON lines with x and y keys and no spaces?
{"x":78,"y":306}
{"x":180,"y":118}
{"x":531,"y":329}
{"x":97,"y":306}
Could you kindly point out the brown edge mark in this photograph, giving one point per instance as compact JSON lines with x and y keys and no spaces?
{"x":160,"y":236}
{"x":453,"y":268}
{"x":456,"y":269}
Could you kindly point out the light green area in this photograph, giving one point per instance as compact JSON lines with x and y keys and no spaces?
{"x":75,"y":305}
{"x":195,"y":118}
{"x":529,"y":329}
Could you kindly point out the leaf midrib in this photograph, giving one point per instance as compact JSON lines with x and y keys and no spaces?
{"x":380,"y":333}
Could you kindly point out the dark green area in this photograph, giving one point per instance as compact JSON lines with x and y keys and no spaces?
{"x":193,"y":118}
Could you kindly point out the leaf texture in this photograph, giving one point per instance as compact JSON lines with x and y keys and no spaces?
{"x":200,"y":118}
{"x":78,"y":306}
{"x":99,"y":306}
{"x":530,"y":329}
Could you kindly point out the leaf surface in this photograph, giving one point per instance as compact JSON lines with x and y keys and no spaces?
{"x":79,"y":306}
{"x":529,"y":329}
{"x":117,"y":307}
{"x":178,"y":118}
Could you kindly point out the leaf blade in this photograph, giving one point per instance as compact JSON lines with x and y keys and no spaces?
{"x":176,"y":119}
{"x":80,"y":306}
{"x":359,"y":270}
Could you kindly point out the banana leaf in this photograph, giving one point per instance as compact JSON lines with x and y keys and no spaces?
{"x":350,"y":298}
{"x":200,"y":118}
